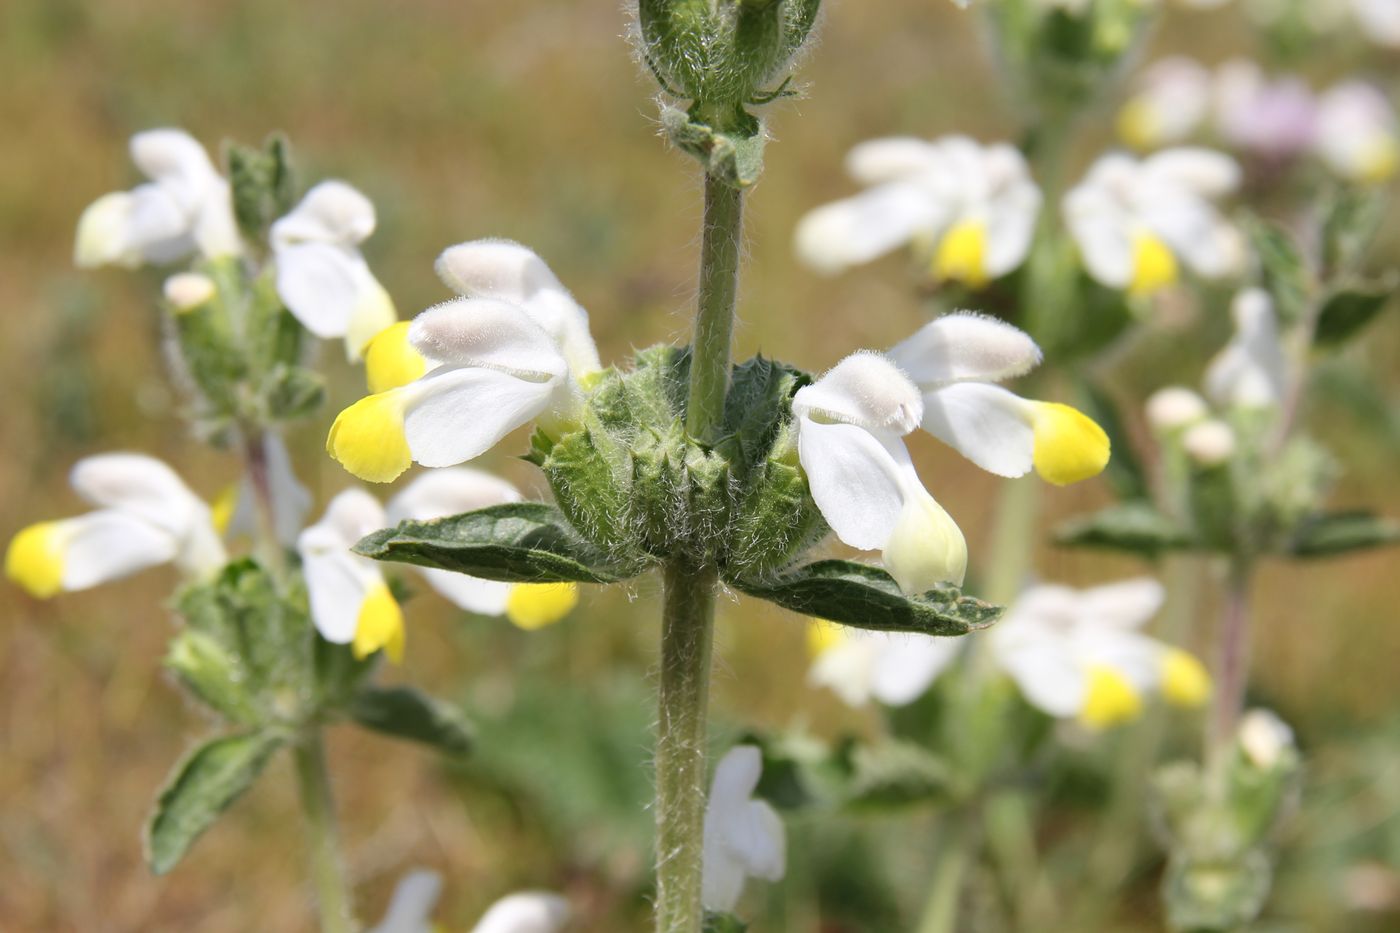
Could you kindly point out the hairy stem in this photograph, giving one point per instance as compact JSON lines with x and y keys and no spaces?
{"x":1232,"y":665}
{"x":327,"y":872}
{"x":687,"y":628}
{"x":265,"y":511}
{"x":714,"y":318}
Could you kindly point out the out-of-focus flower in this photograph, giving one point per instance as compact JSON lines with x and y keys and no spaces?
{"x":1209,"y":443}
{"x":1264,"y":737}
{"x":860,"y":665}
{"x":509,"y":352}
{"x":1379,"y":20}
{"x":188,"y":290}
{"x":415,"y":897}
{"x":1251,"y":371}
{"x":971,"y":208}
{"x":1172,"y":100}
{"x":1079,"y":654}
{"x":1136,"y":222}
{"x":321,"y":274}
{"x":146,"y":516}
{"x":235,"y":512}
{"x":184,"y":208}
{"x":451,"y":491}
{"x":1274,"y":119}
{"x":1357,"y":134}
{"x":743,"y":835}
{"x":851,"y":423}
{"x":1174,"y":408}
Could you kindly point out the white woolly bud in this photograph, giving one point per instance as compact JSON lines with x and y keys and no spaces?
{"x":1210,"y":443}
{"x":1264,"y":737}
{"x":1175,"y":407}
{"x":188,"y":290}
{"x":965,"y":346}
{"x":494,"y":269}
{"x":864,"y":389}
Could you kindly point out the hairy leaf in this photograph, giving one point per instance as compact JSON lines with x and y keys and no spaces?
{"x":405,"y":713}
{"x":1136,"y":527}
{"x":1342,"y":532}
{"x":1346,"y":313}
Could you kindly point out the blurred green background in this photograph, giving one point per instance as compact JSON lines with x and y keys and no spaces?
{"x":529,"y":119}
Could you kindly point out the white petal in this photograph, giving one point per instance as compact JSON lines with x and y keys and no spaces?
{"x":1356,"y":132}
{"x":1011,"y":218}
{"x":138,"y":485}
{"x":743,"y":837}
{"x":1103,"y":231}
{"x":861,"y":228}
{"x":1194,"y":230}
{"x":1136,"y":657}
{"x":331,"y":212}
{"x":411,"y":907}
{"x":172,"y":157}
{"x":525,"y":912}
{"x":1126,"y":604}
{"x":510,"y":272}
{"x":336,"y":579}
{"x":486,"y":597}
{"x":1044,"y":669}
{"x":1250,"y":371}
{"x":104,"y":233}
{"x":320,"y":284}
{"x":449,"y":491}
{"x":159,"y":227}
{"x":985,"y":423}
{"x":854,"y":479}
{"x":847,"y":667}
{"x":1203,"y":172}
{"x":1047,"y":605}
{"x":109,"y":545}
{"x":880,"y":160}
{"x":488,"y":332}
{"x":457,"y":413}
{"x":908,"y":665}
{"x":865,"y":389}
{"x":965,"y":346}
{"x":215,"y":228}
{"x":1264,"y":737}
{"x":371,"y":313}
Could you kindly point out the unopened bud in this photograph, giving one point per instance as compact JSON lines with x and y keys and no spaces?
{"x":1210,"y":443}
{"x":1174,"y":408}
{"x":1264,"y":737}
{"x":188,"y":290}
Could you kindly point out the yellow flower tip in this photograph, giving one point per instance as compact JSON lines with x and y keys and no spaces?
{"x":223,"y":508}
{"x":1069,"y":446}
{"x":391,"y":361}
{"x":962,"y":254}
{"x":380,"y":625}
{"x":1379,"y":161}
{"x":373,"y":312}
{"x":1138,"y":125}
{"x":1154,"y":265}
{"x":534,"y":605}
{"x":822,"y":636}
{"x":1185,"y":681}
{"x":368,"y":440}
{"x":1110,"y":700}
{"x":35,"y":560}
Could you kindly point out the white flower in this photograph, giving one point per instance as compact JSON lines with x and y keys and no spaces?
{"x":1273,"y":119}
{"x":1251,"y":371}
{"x":972,"y":207}
{"x":1079,"y":654}
{"x":509,"y":352}
{"x":743,"y":836}
{"x":184,"y":208}
{"x":1172,"y":100}
{"x":851,"y":423}
{"x":891,"y":668}
{"x":350,"y":602}
{"x":1264,"y":737}
{"x":1174,"y":408}
{"x":321,"y":274}
{"x":146,"y":516}
{"x":451,"y":491}
{"x":414,"y":899}
{"x":1136,"y":221}
{"x":1379,"y":20}
{"x":1357,"y":134}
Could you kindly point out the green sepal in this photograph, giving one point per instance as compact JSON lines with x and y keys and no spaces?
{"x":734,"y":156}
{"x":1332,"y":533}
{"x":1348,"y":311}
{"x":208,"y":669}
{"x":867,"y":597}
{"x":405,"y":713}
{"x":519,"y":542}
{"x":263,"y":184}
{"x":1282,"y":272}
{"x":1135,"y":527}
{"x":723,"y":923}
{"x":1204,"y":894}
{"x":291,"y":392}
{"x":801,"y":772}
{"x":200,"y":788}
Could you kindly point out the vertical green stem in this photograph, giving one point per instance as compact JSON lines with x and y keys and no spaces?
{"x":327,"y":873}
{"x":687,"y":627}
{"x":264,"y":509}
{"x":714,"y":318}
{"x":1232,"y":664}
{"x":955,"y":855}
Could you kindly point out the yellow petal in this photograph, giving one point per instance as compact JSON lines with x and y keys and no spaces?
{"x":1138,"y":125}
{"x":222,"y":509}
{"x":391,"y":361}
{"x":822,"y":636}
{"x":1378,"y":160}
{"x":962,"y":254}
{"x":380,"y":625}
{"x":1154,"y":265}
{"x":1185,"y":681}
{"x":1110,"y":701}
{"x":535,"y":605}
{"x":1069,"y":445}
{"x":373,"y":312}
{"x":35,"y":559}
{"x":367,"y":438}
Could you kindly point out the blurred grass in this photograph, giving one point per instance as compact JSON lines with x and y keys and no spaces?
{"x":525,"y":120}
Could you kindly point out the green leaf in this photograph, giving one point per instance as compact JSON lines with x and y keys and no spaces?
{"x":724,"y":923}
{"x":1346,"y":313}
{"x":1136,"y":527}
{"x":215,"y":674}
{"x":519,"y":542}
{"x":867,"y":597}
{"x":1335,"y":533}
{"x":292,"y":392}
{"x":1350,"y":225}
{"x":801,"y":772}
{"x":1282,"y":270}
{"x":201,"y":787}
{"x":735,"y":157}
{"x":407,"y":714}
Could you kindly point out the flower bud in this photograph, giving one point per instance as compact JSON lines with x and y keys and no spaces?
{"x":1210,"y":443}
{"x":1174,"y":408}
{"x":1264,"y":738}
{"x":188,"y":290}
